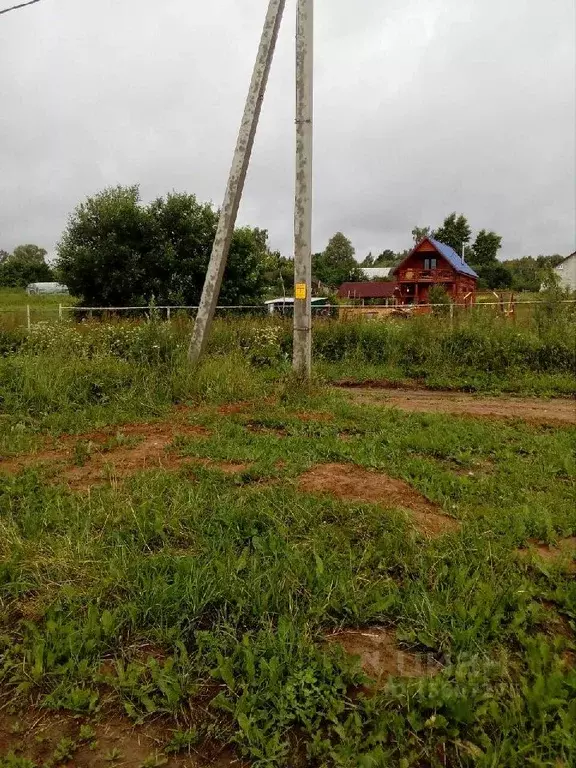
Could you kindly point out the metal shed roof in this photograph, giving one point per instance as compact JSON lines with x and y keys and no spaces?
{"x":290,"y":300}
{"x":372,"y":290}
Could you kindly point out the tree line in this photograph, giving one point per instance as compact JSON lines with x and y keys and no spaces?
{"x":26,"y":264}
{"x":118,"y":251}
{"x":525,"y":274}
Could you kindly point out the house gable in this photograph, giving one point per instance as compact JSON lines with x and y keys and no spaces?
{"x":448,"y":258}
{"x":425,"y":247}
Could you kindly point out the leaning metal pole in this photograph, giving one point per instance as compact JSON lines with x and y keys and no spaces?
{"x":303,"y":207}
{"x":236,"y":181}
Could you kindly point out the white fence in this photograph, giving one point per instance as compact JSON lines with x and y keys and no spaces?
{"x":62,"y":312}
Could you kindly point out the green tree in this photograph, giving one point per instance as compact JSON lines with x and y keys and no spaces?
{"x":529,"y":273}
{"x":116,"y":251}
{"x":525,"y":274}
{"x":551,"y":312}
{"x":455,"y":232}
{"x":30,"y":254}
{"x":3,"y":256}
{"x":485,"y":248}
{"x":336,"y":265}
{"x":494,"y":276}
{"x":439,"y":297}
{"x":419,"y":233}
{"x":278,"y":274}
{"x":27,"y":264}
{"x":386,"y":259}
{"x":549,"y":262}
{"x":368,"y":261}
{"x":492,"y":273}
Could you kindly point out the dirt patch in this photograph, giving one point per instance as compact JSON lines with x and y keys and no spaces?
{"x":380,"y":655}
{"x":381,"y":384}
{"x":352,"y":483}
{"x":537,"y":411}
{"x":82,"y":461}
{"x":562,"y":555}
{"x":233,"y":408}
{"x":59,"y":738}
{"x":555,"y":622}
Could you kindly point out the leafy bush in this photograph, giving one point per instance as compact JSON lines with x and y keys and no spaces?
{"x":427,"y":343}
{"x":263,"y":348}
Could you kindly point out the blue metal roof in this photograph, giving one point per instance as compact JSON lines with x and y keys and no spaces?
{"x":452,"y":258}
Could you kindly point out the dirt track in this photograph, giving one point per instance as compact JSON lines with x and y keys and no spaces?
{"x":557,"y":411}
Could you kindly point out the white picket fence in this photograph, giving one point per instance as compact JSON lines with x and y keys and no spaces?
{"x":62,"y":311}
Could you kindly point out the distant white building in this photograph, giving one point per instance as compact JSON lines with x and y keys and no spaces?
{"x":286,"y":304}
{"x":36,"y":288}
{"x":566,"y":271}
{"x":375,"y":273}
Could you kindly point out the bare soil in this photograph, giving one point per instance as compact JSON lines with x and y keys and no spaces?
{"x":563,"y":554}
{"x":233,"y":408}
{"x":535,"y":410}
{"x":35,"y":734}
{"x":556,"y":623}
{"x":352,"y":483}
{"x":380,"y":655}
{"x":111,"y":455}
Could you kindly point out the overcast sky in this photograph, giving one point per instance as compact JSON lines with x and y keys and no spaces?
{"x":422,"y":107}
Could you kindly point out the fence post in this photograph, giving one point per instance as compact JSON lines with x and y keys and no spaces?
{"x":59,"y":311}
{"x":168,"y":314}
{"x":28,"y":322}
{"x":452,"y":315}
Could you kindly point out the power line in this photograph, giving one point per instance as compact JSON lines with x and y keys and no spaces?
{"x":15,"y":7}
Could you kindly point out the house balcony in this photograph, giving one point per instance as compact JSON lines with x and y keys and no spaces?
{"x":425,"y":276}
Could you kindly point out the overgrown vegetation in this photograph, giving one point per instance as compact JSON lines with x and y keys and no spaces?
{"x":477,"y":351}
{"x":206,"y":597}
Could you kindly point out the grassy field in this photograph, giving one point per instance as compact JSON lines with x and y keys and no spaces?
{"x":203,"y":566}
{"x":16,"y":299}
{"x":478,"y":352}
{"x":43,"y":308}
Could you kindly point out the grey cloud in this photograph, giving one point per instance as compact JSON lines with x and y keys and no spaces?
{"x":422,"y":107}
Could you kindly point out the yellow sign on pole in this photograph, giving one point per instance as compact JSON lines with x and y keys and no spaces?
{"x":300,"y":290}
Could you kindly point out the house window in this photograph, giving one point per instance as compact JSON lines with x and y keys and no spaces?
{"x":429,"y":263}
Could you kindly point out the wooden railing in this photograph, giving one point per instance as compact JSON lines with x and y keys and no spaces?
{"x":425,"y":276}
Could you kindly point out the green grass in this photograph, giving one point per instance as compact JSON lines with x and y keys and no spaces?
{"x":16,"y":298}
{"x":43,"y":308}
{"x":236,"y":579}
{"x":479,"y":353}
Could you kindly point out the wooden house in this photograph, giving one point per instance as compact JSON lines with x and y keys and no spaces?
{"x":434,"y":263}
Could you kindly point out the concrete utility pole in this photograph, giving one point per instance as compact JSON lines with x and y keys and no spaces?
{"x":236,"y":180}
{"x":303,"y":207}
